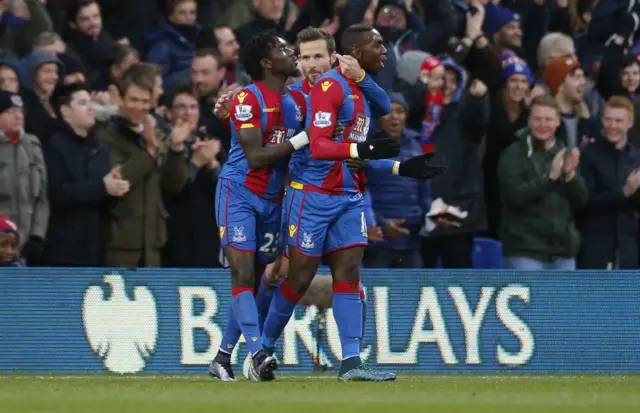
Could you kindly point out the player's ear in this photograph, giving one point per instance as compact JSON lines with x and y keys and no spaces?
{"x":356,"y":52}
{"x":333,"y":58}
{"x":265,"y":63}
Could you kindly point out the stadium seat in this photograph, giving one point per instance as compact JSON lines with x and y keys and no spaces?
{"x":487,"y":254}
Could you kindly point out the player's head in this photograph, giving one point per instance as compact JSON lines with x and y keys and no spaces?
{"x":266,"y":52}
{"x":317,"y":52}
{"x":365,"y":44}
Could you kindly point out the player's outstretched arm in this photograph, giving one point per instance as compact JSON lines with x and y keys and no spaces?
{"x":246,"y":112}
{"x":260,"y":156}
{"x":326,"y":99}
{"x":417,"y":167}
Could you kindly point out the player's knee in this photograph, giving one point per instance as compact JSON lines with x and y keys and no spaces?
{"x":301,"y":280}
{"x":243,"y":276}
{"x":348,"y":270}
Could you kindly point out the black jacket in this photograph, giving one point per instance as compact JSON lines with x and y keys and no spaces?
{"x":457,"y":138}
{"x":608,"y":222}
{"x":500,"y":135}
{"x":78,"y":198}
{"x":192,"y":230}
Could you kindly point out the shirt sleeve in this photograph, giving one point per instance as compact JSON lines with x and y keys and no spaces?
{"x":326,"y":98}
{"x":245,"y":111}
{"x":377,"y":97}
{"x":382,"y":165}
{"x":302,"y":101}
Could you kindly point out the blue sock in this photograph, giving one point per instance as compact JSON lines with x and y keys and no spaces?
{"x":364,"y":315}
{"x":263,"y":299}
{"x":231,"y":333}
{"x":347,"y":311}
{"x":284,"y":302}
{"x":244,"y":307}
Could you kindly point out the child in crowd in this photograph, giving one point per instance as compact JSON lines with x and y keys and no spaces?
{"x":9,"y":238}
{"x":431,"y":74}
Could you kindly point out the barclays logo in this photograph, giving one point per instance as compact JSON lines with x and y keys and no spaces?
{"x":123,"y":332}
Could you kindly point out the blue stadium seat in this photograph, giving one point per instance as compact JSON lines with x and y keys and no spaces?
{"x":487,"y":254}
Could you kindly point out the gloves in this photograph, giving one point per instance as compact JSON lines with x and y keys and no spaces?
{"x":33,"y":249}
{"x":378,"y":146}
{"x":418,"y":167}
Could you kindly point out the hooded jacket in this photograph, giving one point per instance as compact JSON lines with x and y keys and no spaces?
{"x":173,"y":47}
{"x":463,"y":125}
{"x":37,"y":119}
{"x":16,"y":66}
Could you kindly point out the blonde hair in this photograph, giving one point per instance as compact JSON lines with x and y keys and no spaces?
{"x":621,"y":102}
{"x":545,"y":100}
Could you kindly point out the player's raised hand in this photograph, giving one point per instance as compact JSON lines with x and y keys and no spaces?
{"x":350,"y":67}
{"x":378,"y":146}
{"x":419,"y":167}
{"x":478,"y":88}
{"x":223,"y":105}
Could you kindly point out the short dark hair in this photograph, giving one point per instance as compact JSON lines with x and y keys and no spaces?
{"x":180,"y":89}
{"x":209,"y":51}
{"x":116,"y":54}
{"x":142,"y":75}
{"x":311,"y":34}
{"x":353,"y":35}
{"x":76,"y":6}
{"x":258,"y":48}
{"x":207,"y":38}
{"x":629,"y":60}
{"x":63,"y":95}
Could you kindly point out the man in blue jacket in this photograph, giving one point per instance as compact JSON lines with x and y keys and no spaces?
{"x":399,"y":203}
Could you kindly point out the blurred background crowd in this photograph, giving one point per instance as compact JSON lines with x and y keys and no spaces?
{"x":545,"y":163}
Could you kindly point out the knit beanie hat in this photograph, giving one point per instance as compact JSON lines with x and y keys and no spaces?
{"x":409,"y":65}
{"x":6,"y":225}
{"x":430,"y":63}
{"x":396,"y":97}
{"x":557,"y":70}
{"x":513,"y":65}
{"x":496,"y":17}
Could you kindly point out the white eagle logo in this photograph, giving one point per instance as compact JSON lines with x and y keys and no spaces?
{"x":121,"y":330}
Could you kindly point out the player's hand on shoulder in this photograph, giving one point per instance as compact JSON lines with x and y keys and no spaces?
{"x":350,"y":67}
{"x":419,"y":167}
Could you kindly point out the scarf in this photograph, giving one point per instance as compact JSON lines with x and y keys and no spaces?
{"x":432,"y":117}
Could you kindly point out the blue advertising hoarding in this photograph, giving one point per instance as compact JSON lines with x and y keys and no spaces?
{"x":171,"y":321}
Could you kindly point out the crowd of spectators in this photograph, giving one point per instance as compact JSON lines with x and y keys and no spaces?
{"x":110,"y":149}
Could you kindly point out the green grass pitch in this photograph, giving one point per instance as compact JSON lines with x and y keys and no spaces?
{"x":454,"y":393}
